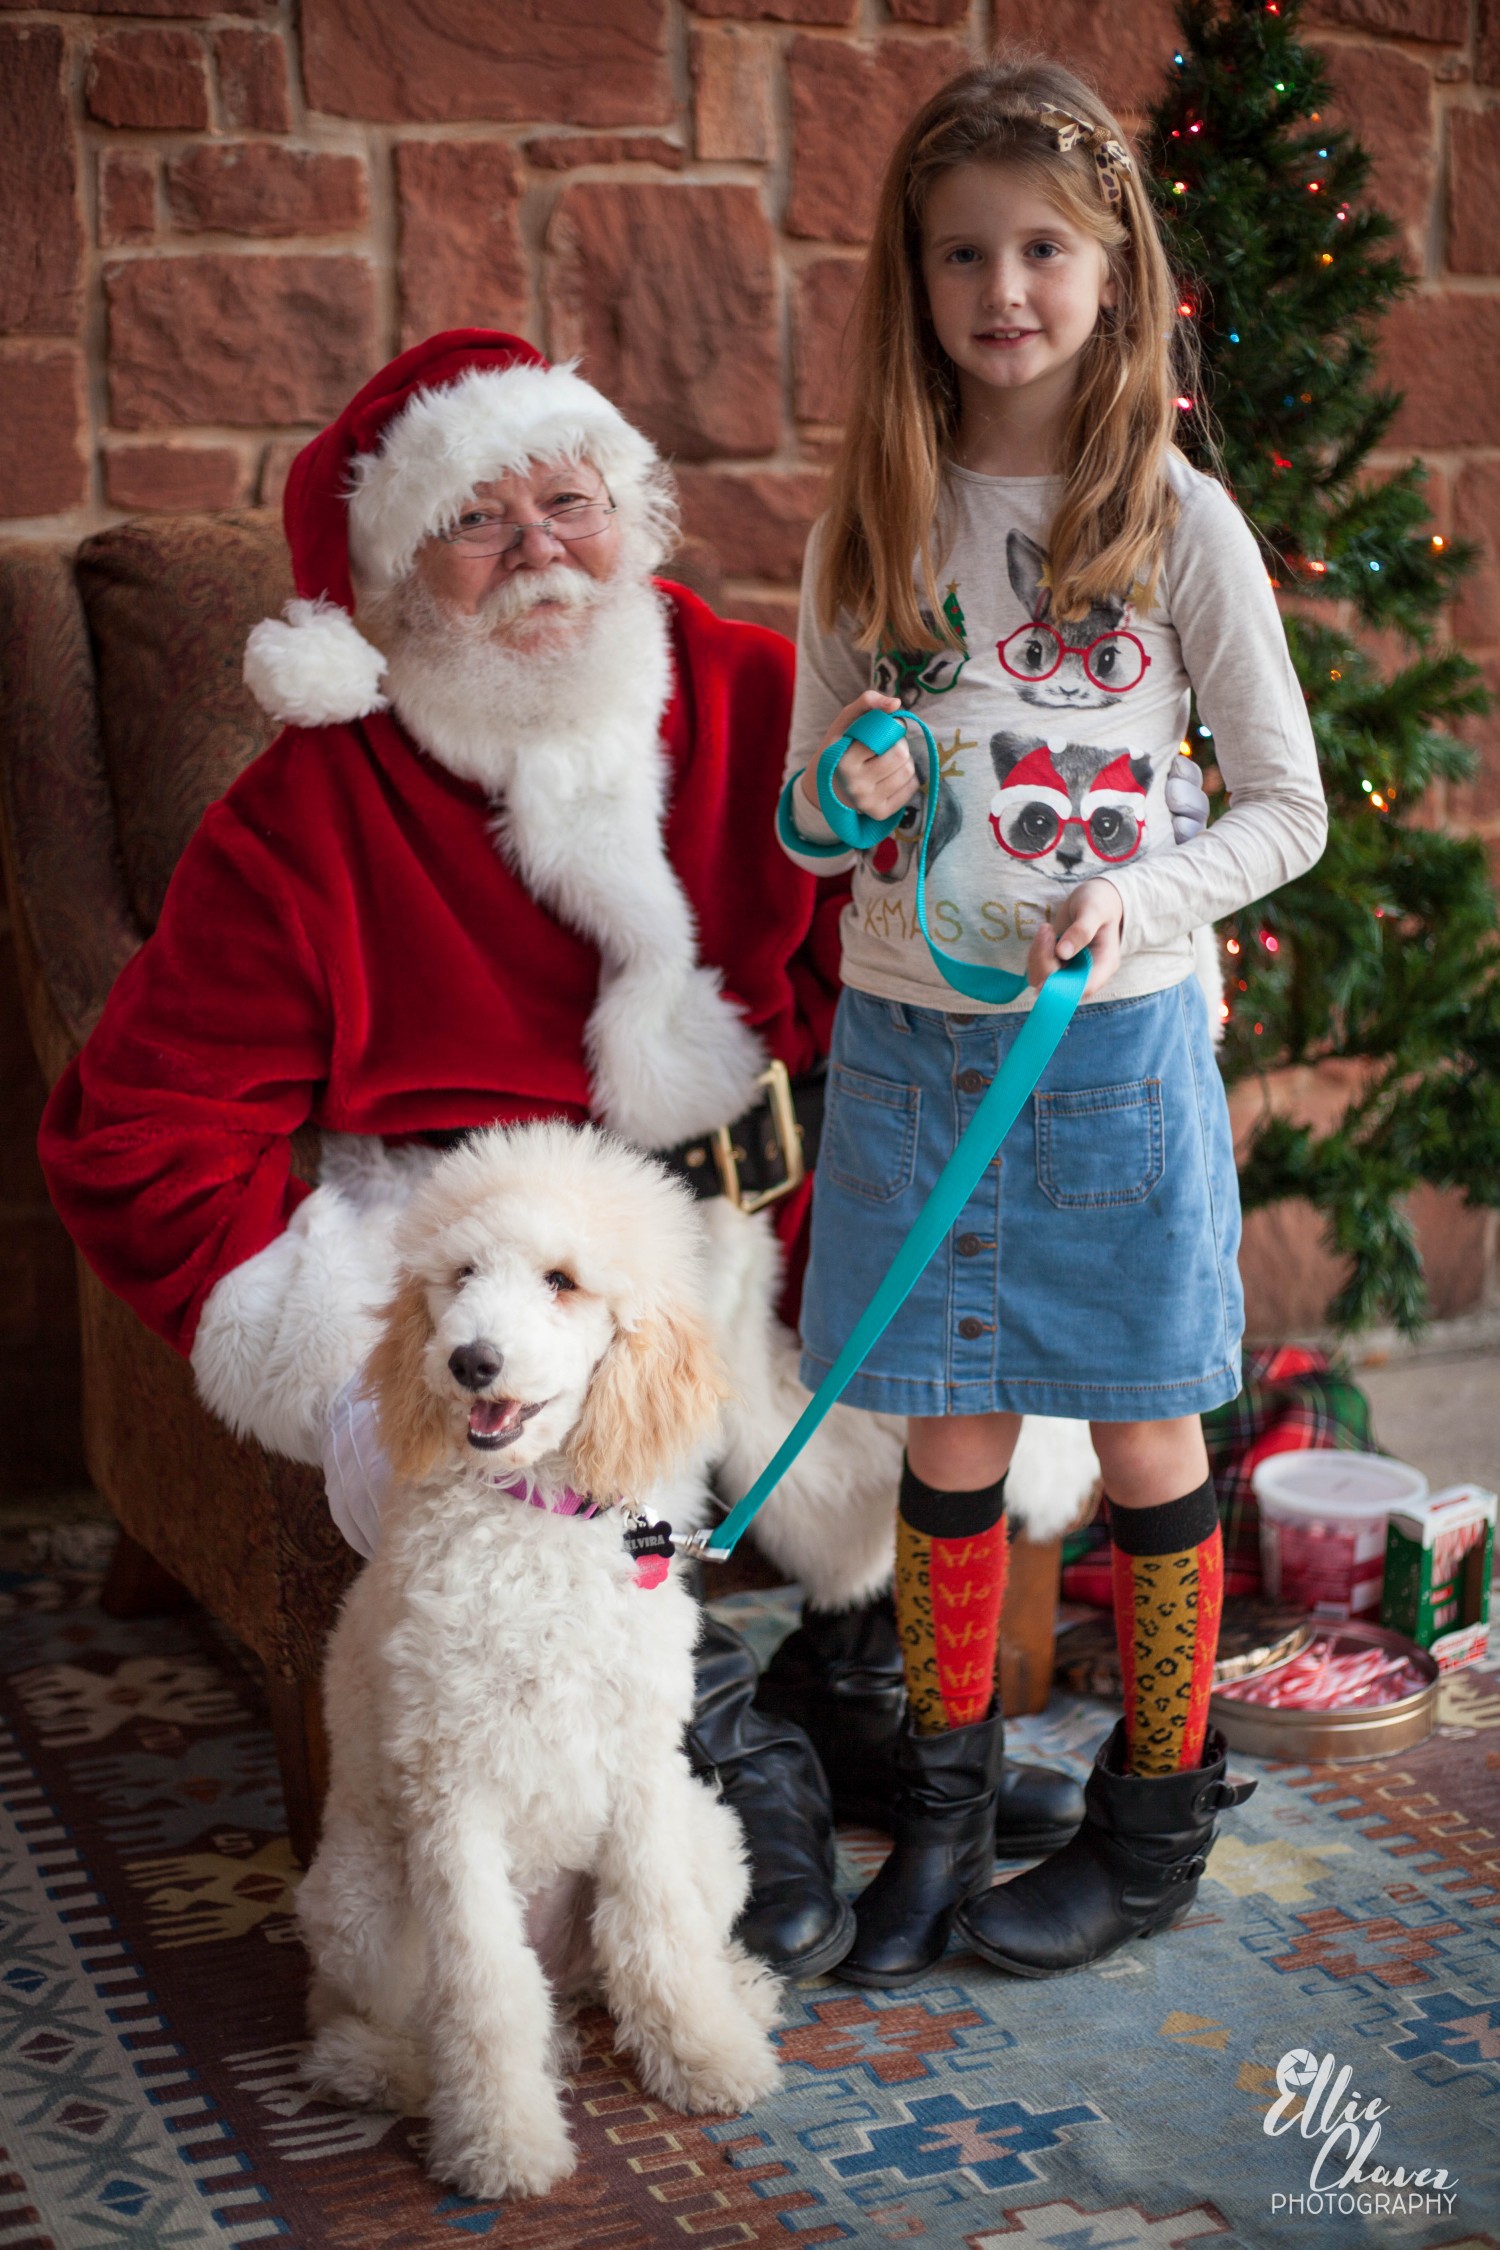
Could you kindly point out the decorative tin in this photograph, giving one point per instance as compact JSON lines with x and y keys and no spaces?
{"x":1438,"y":1558}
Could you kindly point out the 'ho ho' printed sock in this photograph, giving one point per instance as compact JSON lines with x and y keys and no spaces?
{"x":951,"y":1556}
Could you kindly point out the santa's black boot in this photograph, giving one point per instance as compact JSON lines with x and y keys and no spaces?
{"x":1132,"y":1869}
{"x":794,"y":1919}
{"x":840,"y":1678}
{"x":942,"y":1853}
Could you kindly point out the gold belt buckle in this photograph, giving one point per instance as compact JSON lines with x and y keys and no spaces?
{"x":727,"y":1157}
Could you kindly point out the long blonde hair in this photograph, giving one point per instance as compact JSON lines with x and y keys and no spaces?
{"x":886,"y":487}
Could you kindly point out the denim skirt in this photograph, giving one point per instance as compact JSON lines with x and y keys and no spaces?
{"x":1093,"y":1272}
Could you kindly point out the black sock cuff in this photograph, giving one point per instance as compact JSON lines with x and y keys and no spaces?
{"x":1169,"y":1529}
{"x":950,"y":1515}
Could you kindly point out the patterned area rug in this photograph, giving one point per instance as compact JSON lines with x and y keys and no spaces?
{"x":151,"y":1994}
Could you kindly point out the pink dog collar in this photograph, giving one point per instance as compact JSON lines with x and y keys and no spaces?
{"x":650,"y":1544}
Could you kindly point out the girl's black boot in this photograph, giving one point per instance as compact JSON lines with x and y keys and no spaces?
{"x":1132,"y":1869}
{"x":944,"y":1851}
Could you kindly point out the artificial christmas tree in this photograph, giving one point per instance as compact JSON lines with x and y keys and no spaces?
{"x":1387,"y":952}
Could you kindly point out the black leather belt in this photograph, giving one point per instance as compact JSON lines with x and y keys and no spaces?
{"x":763,"y":1155}
{"x":758,"y":1159}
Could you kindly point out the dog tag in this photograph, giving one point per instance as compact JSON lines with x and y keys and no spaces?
{"x":649,"y":1546}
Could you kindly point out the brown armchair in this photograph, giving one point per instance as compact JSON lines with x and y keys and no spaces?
{"x":122,"y":716}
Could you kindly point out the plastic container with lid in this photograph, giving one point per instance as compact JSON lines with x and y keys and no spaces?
{"x":1322,"y":1526}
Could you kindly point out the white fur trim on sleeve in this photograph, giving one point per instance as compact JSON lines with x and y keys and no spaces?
{"x":313,"y":668}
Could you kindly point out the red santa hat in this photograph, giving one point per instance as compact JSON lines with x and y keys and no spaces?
{"x":398,"y":465}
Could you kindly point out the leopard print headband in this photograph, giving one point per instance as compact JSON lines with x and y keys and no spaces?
{"x":1110,"y":159}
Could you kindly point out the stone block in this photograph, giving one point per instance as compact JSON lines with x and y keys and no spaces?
{"x":43,"y":431}
{"x":191,"y":9}
{"x":1125,"y":51}
{"x":669,"y":293}
{"x":777,"y":612}
{"x":781,"y":11}
{"x":734,"y":118}
{"x":1476,"y":803}
{"x":242,"y":340}
{"x":1487,"y":44}
{"x":255,"y":187}
{"x":173,"y":479}
{"x":255,"y":94}
{"x":41,"y":241}
{"x":757,"y":524}
{"x":1384,"y":97}
{"x":1476,"y":516}
{"x":461,"y":260}
{"x":944,"y":13}
{"x":127,"y":198}
{"x":1444,"y":22}
{"x":439,"y":61}
{"x":835,"y":171}
{"x":569,"y":152}
{"x":1434,"y":347}
{"x":1472,"y":243}
{"x":823,"y":300}
{"x":276,"y":467}
{"x":149,"y":79}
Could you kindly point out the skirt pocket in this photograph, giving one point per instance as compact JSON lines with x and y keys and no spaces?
{"x":869,"y":1143}
{"x":1100,"y":1145}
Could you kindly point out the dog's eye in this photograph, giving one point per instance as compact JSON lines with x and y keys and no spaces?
{"x":559,"y":1281}
{"x":464,"y":1273}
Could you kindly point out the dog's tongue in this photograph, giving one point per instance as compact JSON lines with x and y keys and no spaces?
{"x":494,"y":1418}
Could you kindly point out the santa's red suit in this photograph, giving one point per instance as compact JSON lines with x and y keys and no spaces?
{"x":352,"y":941}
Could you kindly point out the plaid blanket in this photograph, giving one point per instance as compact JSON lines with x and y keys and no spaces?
{"x":1292,"y":1401}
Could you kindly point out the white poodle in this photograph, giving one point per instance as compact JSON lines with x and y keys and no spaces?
{"x":511,"y":1819}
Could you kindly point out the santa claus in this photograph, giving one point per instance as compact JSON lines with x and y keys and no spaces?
{"x":511,"y":856}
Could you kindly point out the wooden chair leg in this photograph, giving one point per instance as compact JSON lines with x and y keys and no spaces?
{"x":302,"y":1754}
{"x":136,"y":1585}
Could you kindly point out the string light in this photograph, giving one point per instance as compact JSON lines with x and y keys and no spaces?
{"x":1184,"y":404}
{"x":1377,"y":800}
{"x":1325,"y":258}
{"x":1367,"y":786}
{"x":1271,"y":944}
{"x":1185,"y":307}
{"x":1437,"y":542}
{"x":1234,"y":336}
{"x":1232,"y":944}
{"x":1179,"y":187}
{"x":1260,"y":1027}
{"x":1207,"y":733}
{"x":1319,"y":567}
{"x":1223,"y":1011}
{"x":1374,"y":566}
{"x":1335,"y":675}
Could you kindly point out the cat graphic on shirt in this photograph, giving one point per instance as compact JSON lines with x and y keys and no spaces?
{"x":1071,"y":813}
{"x":1091,"y":661}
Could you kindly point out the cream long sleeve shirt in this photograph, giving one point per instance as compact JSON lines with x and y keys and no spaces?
{"x":1055,"y":742}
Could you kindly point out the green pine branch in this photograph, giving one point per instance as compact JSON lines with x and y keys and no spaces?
{"x":1387,"y":953}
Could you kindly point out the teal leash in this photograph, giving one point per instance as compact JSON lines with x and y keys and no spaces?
{"x":1008,"y":1092}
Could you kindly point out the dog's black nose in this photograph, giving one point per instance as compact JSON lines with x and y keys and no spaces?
{"x":475,"y":1365}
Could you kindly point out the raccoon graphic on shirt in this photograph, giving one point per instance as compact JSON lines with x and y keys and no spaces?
{"x":1045,"y":778}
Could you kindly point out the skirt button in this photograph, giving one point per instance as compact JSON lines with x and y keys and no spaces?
{"x":972,"y":1081}
{"x":969,"y":1245}
{"x":971,"y":1327}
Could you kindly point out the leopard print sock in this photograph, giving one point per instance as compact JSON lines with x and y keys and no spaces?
{"x":1169,"y":1593}
{"x":951,"y":1556}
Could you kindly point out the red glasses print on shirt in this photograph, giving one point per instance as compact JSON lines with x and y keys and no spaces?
{"x":1115,"y":662}
{"x":1034,"y":808}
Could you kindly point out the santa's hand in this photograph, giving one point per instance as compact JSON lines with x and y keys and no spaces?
{"x":877,"y":783}
{"x":1187,"y":800}
{"x":1089,"y":916}
{"x":356,"y":1472}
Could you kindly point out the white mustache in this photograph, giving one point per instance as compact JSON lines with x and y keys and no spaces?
{"x":526,"y":590}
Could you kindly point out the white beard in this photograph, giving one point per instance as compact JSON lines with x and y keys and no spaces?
{"x":566,"y":739}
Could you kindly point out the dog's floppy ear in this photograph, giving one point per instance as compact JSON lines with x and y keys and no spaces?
{"x":655,"y":1394}
{"x":413,"y":1425}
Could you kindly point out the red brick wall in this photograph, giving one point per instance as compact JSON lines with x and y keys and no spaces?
{"x":222,"y":214}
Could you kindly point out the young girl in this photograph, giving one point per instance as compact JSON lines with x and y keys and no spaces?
{"x":1016,"y":550}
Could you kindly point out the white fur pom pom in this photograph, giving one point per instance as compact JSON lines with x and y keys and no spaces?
{"x":315,"y":668}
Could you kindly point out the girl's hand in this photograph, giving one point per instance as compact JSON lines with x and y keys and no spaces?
{"x":1089,"y":916}
{"x":876,"y":786}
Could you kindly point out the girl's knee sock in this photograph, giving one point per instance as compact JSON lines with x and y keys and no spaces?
{"x":1169,"y":1592}
{"x":950,"y":1583}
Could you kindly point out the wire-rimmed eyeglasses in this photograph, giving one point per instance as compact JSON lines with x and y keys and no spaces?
{"x":477,"y":534}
